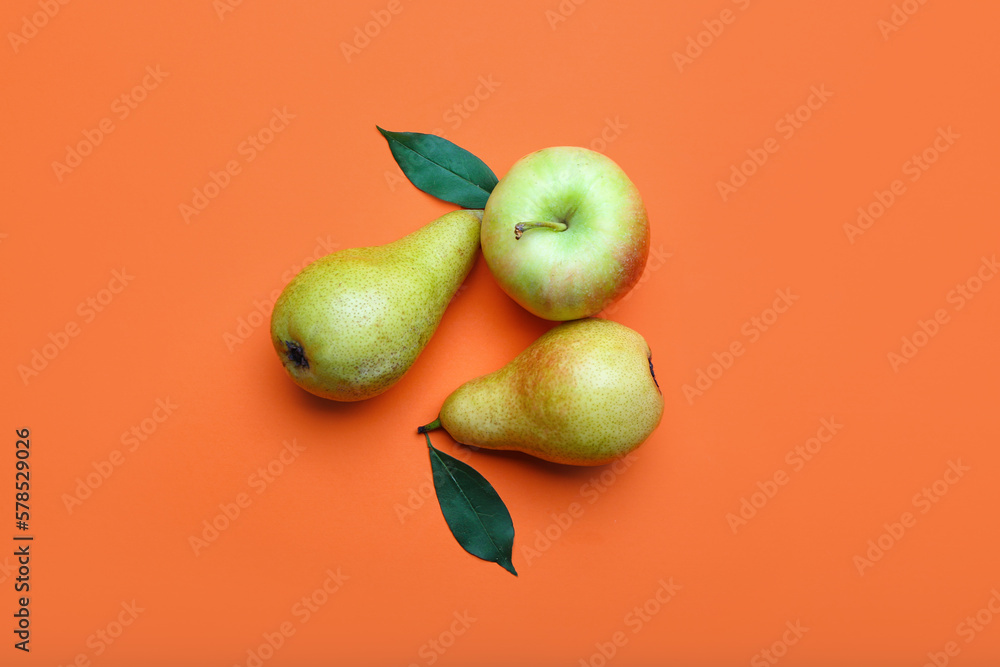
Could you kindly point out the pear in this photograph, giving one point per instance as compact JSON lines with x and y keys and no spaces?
{"x":350,"y":324}
{"x":584,"y":393}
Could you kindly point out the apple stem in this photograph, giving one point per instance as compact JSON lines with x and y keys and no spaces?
{"x":547,"y":224}
{"x":430,"y":427}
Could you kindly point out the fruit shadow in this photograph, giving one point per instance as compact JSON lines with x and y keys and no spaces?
{"x":299,"y":400}
{"x":556,"y":471}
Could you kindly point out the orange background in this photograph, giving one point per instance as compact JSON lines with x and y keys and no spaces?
{"x":608,"y":77}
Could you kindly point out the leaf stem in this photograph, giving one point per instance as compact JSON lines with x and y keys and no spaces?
{"x":520,"y":227}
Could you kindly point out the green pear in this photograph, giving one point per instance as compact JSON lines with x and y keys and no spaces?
{"x":353,"y":322}
{"x":584,"y":393}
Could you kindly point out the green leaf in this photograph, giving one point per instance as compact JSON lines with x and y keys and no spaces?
{"x":442,"y":169}
{"x":473,"y":510}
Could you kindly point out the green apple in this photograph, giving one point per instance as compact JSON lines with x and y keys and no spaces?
{"x":565,"y":232}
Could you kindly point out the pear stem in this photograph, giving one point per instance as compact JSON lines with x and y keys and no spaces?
{"x":520,"y":227}
{"x":430,"y":427}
